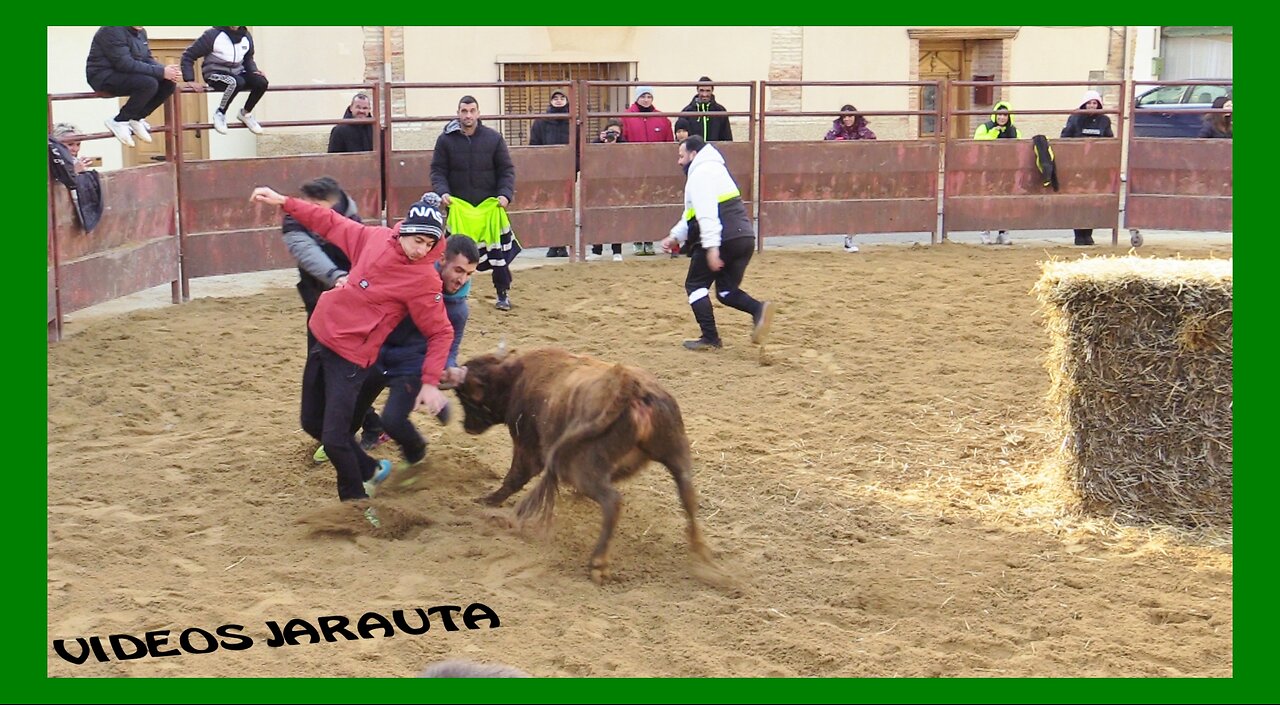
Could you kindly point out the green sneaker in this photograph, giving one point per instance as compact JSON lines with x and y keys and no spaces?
{"x":372,"y":517}
{"x":320,"y":456}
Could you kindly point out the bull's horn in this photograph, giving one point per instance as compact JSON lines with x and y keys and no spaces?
{"x":501,"y":352}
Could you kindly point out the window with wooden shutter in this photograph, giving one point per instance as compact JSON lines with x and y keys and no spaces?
{"x":535,"y":99}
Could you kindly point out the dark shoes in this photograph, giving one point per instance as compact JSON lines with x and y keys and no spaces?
{"x":702,"y":344}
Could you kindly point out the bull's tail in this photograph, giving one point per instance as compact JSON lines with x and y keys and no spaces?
{"x":541,"y":502}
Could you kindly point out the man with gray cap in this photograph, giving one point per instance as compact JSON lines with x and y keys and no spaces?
{"x":392,"y":275}
{"x":645,"y":127}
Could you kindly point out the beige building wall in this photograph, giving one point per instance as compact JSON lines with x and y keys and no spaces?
{"x":291,"y":55}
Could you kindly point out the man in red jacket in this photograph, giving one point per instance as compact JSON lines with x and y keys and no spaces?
{"x":392,"y":274}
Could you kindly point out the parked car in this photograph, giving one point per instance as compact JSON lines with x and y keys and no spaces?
{"x":1170,"y":111}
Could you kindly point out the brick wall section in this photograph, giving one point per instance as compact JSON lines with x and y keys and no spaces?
{"x":786,"y":63}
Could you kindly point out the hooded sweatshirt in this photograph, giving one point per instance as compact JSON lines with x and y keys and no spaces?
{"x":989,"y":130}
{"x":227,"y":50}
{"x":712,"y":203}
{"x":1091,"y":125}
{"x":382,"y":287}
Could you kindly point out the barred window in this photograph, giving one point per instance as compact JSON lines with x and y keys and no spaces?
{"x":535,"y":99}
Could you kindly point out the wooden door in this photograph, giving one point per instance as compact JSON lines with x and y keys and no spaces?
{"x":195,"y":108}
{"x":943,"y":60}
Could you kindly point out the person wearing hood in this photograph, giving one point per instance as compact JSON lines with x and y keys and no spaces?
{"x":645,"y":128}
{"x":710,"y":128}
{"x":229,"y":67}
{"x":1090,"y":124}
{"x":1000,"y":126}
{"x":353,"y":138}
{"x":1217,"y":125}
{"x":722,"y":241}
{"x":471,"y":163}
{"x":552,"y":131}
{"x":392,"y":275}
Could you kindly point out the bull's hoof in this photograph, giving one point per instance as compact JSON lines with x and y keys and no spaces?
{"x":599,"y":572}
{"x":492,"y":500}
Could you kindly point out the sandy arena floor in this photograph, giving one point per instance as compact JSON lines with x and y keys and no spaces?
{"x":878,"y":481}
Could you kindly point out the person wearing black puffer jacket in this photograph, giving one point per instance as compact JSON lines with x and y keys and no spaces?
{"x":471,"y":163}
{"x":120,"y":64}
{"x":709,"y":128}
{"x":1093,"y":124}
{"x":551,"y":131}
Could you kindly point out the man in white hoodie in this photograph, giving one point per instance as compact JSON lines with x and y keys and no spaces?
{"x":721,"y":242}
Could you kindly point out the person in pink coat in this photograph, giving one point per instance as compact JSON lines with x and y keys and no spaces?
{"x":645,"y":128}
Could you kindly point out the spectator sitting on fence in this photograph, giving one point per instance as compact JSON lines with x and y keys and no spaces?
{"x":1000,"y":126}
{"x":353,"y":138}
{"x":611,"y":134}
{"x":70,"y":136}
{"x":553,"y":131}
{"x":120,"y":64}
{"x":229,"y":67}
{"x":709,"y":128}
{"x":645,"y":128}
{"x":1218,"y":125}
{"x":1093,"y":124}
{"x":850,"y":125}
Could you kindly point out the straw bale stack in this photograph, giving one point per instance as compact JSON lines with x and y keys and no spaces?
{"x":1141,"y":384}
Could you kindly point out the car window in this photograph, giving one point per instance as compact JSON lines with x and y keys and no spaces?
{"x":1207,"y":94}
{"x":1163,"y":95}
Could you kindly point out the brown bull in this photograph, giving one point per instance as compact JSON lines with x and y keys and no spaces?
{"x":587,"y":423}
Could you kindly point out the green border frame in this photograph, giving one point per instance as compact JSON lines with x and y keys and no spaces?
{"x":26,"y":647}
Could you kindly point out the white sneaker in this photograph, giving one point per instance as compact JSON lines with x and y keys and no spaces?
{"x":250,"y":122}
{"x":617,"y":257}
{"x":986,"y":237}
{"x":120,"y":130}
{"x":1003,"y":239}
{"x":593,"y":257}
{"x":220,"y":122}
{"x":140,"y":129}
{"x":848,"y":244}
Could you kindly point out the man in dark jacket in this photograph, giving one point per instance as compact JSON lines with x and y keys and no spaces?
{"x":321,"y":266}
{"x":1088,"y":125}
{"x":709,"y":128}
{"x":353,"y":138}
{"x":552,"y":131}
{"x":471,"y":163}
{"x":120,"y":64}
